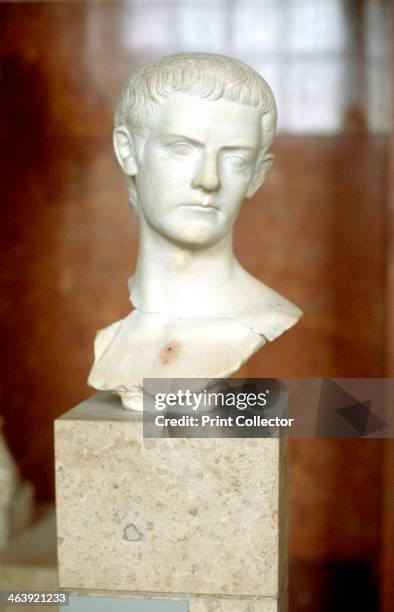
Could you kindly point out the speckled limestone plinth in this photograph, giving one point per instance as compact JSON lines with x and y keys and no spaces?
{"x":178,"y":517}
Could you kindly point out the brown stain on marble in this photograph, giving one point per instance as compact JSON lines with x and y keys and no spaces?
{"x":170,"y":352}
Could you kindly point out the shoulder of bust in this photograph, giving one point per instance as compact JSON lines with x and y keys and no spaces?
{"x":268,"y":313}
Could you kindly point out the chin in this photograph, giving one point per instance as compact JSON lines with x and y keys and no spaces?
{"x":196,"y":241}
{"x":195,"y":235}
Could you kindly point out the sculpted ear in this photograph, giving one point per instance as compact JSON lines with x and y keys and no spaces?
{"x":125,"y":150}
{"x":262,"y":166}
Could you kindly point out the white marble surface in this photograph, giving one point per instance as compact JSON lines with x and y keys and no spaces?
{"x":192,"y":137}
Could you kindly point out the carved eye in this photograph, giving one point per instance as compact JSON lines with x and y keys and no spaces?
{"x":236,"y":161}
{"x":182,"y":149}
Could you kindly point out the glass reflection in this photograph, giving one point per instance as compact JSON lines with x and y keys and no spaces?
{"x":326,"y":60}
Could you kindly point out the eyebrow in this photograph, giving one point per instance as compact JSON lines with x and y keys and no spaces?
{"x":239,"y":147}
{"x":183,"y":137}
{"x":200,"y":144}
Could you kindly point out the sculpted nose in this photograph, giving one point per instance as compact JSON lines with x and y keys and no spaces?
{"x":207,"y":176}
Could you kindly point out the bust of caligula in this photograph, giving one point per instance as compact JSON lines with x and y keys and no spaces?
{"x":192,"y":133}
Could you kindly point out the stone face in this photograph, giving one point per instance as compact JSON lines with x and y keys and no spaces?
{"x":170,"y":516}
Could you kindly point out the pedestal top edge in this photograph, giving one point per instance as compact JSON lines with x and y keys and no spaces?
{"x":102,"y":406}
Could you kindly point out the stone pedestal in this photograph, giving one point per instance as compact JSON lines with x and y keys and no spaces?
{"x":201,"y":520}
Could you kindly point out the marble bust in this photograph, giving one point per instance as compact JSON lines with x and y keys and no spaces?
{"x":192,"y":133}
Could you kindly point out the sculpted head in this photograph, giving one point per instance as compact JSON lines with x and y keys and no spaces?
{"x":192,"y":133}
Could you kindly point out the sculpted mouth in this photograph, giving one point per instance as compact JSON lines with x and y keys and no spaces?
{"x":201,"y":206}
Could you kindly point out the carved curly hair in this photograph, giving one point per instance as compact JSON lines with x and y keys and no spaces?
{"x":205,"y":75}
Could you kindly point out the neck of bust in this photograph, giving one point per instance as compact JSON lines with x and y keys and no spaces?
{"x":173,"y":280}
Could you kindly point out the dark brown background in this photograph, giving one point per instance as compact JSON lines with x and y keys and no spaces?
{"x":320,"y":232}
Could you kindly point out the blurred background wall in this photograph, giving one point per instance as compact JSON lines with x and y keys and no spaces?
{"x":318,"y":232}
